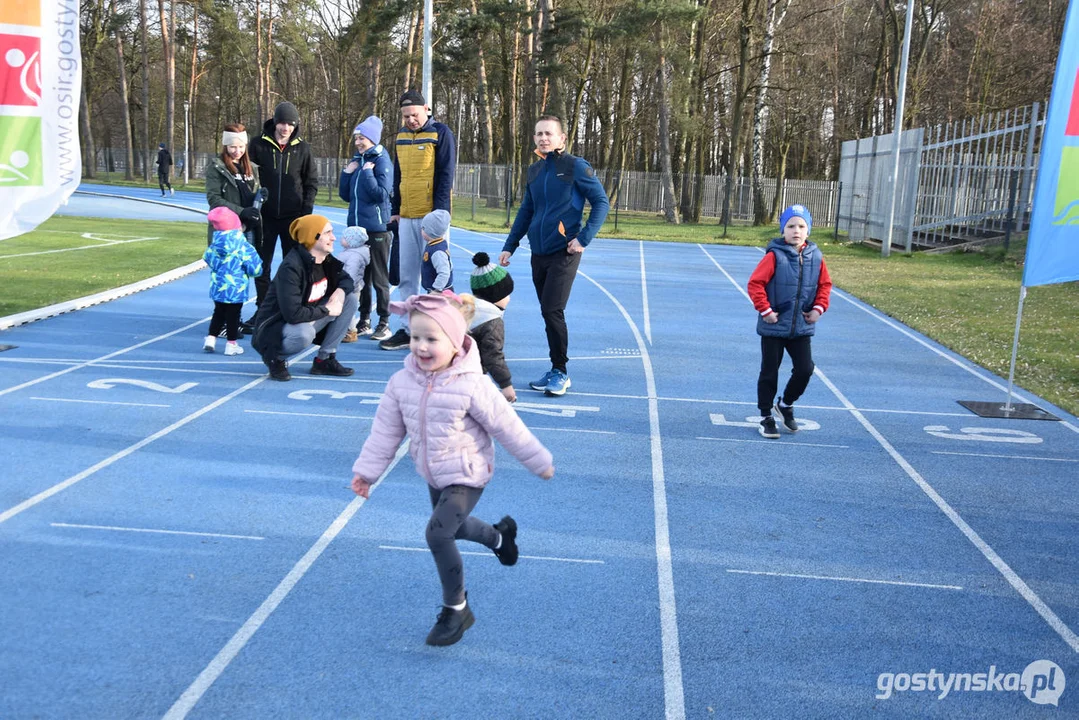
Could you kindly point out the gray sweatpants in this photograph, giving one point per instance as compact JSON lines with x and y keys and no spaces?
{"x":295,"y":338}
{"x":452,"y":521}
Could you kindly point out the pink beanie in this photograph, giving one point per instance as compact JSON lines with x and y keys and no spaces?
{"x":224,"y":219}
{"x":441,"y":310}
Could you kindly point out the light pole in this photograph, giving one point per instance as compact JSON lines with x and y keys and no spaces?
{"x":428,"y":17}
{"x":187,"y":139}
{"x":897,"y":133}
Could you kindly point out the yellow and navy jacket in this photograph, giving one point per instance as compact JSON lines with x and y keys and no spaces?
{"x":288,"y":175}
{"x":423,"y":170}
{"x":553,"y":205}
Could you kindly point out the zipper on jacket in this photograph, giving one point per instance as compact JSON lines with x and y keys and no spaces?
{"x":798,"y":294}
{"x":423,"y":431}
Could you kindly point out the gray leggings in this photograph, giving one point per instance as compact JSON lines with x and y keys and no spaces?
{"x":451,"y":521}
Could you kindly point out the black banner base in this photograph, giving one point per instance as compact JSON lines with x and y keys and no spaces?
{"x":1017,"y":411}
{"x":7,"y":347}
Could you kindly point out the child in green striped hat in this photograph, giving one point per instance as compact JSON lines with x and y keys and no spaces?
{"x":491,"y":285}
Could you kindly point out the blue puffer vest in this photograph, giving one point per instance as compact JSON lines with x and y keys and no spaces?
{"x":428,"y":273}
{"x":792,"y":289}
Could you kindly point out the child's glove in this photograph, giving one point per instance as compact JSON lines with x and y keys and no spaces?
{"x":250,"y":217}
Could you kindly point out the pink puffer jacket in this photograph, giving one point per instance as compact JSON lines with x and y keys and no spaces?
{"x":450,"y":417}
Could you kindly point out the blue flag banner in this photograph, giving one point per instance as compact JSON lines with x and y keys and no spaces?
{"x":1053,"y":243}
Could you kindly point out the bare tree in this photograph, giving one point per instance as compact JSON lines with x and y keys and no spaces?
{"x":670,"y":200}
{"x":145,"y":94}
{"x":168,"y":34}
{"x":118,"y":21}
{"x":774,"y":14}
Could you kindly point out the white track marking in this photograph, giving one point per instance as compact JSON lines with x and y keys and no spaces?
{"x":847,"y":579}
{"x":492,"y":555}
{"x":162,"y":532}
{"x":187,"y":701}
{"x":573,"y":430}
{"x":117,"y":353}
{"x":99,"y":402}
{"x":1009,"y":457}
{"x":991,"y":555}
{"x":644,"y":299}
{"x":46,"y":494}
{"x":774,"y":442}
{"x":322,"y":415}
{"x":673,"y":693}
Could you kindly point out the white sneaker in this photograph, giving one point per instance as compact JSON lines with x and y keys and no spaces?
{"x":209,"y":343}
{"x":233,"y":349}
{"x":171,"y":192}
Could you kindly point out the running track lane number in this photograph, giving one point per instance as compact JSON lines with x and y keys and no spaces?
{"x":984,"y":434}
{"x":368,"y":398}
{"x":110,"y":383}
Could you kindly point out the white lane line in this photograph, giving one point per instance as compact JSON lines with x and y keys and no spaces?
{"x":162,"y":532}
{"x":87,"y":363}
{"x":673,"y":693}
{"x":1071,"y":427}
{"x":104,"y":244}
{"x":573,"y":430}
{"x":1009,"y":457}
{"x":98,"y":402}
{"x":644,"y":300}
{"x":989,"y":553}
{"x":491,"y":555}
{"x":846,"y":579}
{"x":323,"y":415}
{"x":187,"y":701}
{"x":774,"y":442}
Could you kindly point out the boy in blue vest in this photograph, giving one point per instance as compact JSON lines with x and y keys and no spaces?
{"x":436,"y":270}
{"x":790,"y":289}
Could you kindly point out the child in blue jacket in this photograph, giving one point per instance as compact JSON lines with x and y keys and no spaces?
{"x":233,"y":263}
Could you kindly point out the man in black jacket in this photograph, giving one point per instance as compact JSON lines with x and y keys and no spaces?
{"x":312,"y":300}
{"x":164,"y":162}
{"x":287,"y":171}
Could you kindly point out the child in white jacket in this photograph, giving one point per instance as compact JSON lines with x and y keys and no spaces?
{"x":355,"y":257}
{"x":450,"y":413}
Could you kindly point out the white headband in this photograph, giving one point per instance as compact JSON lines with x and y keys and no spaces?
{"x":233,"y":138}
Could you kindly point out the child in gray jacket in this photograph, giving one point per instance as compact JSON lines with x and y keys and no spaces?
{"x":355,"y":257}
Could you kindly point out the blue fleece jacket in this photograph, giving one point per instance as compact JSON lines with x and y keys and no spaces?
{"x":368,"y":192}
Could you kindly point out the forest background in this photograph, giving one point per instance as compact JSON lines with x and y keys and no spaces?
{"x":685,"y":88}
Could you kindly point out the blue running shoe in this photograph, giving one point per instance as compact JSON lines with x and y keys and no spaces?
{"x":558,"y":384}
{"x":542,"y":383}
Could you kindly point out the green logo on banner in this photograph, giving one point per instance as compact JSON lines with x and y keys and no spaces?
{"x":20,"y":151}
{"x":1066,"y":211}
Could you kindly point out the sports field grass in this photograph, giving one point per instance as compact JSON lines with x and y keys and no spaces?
{"x":71,"y":257}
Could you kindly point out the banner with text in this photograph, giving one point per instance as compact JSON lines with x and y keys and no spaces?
{"x":1053,"y":241}
{"x":40,"y":85}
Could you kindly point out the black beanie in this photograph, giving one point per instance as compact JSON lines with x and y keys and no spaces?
{"x":286,"y":113}
{"x":412,"y":97}
{"x":488,"y":281}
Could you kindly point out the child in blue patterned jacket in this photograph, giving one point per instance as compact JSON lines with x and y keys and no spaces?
{"x":233,"y":263}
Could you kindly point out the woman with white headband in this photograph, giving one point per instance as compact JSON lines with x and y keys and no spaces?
{"x":232,"y":182}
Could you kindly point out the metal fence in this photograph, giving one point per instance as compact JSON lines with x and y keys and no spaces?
{"x":958,"y":186}
{"x":635,"y":191}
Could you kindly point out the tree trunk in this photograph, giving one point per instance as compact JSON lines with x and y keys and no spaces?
{"x":125,"y":108}
{"x":776,"y":11}
{"x":168,"y":32}
{"x":670,"y":200}
{"x":483,"y":102}
{"x":781,"y":176}
{"x":192,"y":93}
{"x":89,"y":163}
{"x":578,"y":100}
{"x":745,"y":37}
{"x":414,"y":28}
{"x":145,"y":94}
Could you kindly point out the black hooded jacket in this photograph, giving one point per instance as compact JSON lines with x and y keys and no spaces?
{"x":288,"y":175}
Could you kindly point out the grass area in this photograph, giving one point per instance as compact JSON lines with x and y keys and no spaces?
{"x":117,"y":252}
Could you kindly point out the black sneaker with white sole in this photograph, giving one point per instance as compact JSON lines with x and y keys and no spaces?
{"x":787,"y":413}
{"x":768,"y":428}
{"x":507,"y":551}
{"x":398,"y":341}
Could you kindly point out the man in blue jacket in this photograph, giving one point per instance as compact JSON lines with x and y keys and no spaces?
{"x":550,"y":214}
{"x":366,"y":185}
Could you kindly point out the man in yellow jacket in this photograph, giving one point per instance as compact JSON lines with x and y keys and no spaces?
{"x":423,"y":171}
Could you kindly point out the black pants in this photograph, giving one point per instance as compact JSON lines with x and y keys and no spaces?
{"x":801,"y":355}
{"x":226,"y":315}
{"x":376,"y":275}
{"x":451,"y":520}
{"x":272,"y":228}
{"x":553,"y":277}
{"x":163,"y":182}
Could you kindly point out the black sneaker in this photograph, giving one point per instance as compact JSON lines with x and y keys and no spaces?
{"x":225,"y":333}
{"x":279,"y":370}
{"x":381,"y":332}
{"x":768,"y":427}
{"x":787,"y":414}
{"x":451,"y":625}
{"x":330,"y":366}
{"x":247,"y":327}
{"x":364,"y":328}
{"x":507,"y":552}
{"x":397,"y":341}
